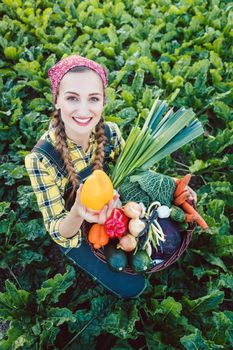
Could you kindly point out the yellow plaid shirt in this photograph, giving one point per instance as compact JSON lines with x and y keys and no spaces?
{"x":48,"y":184}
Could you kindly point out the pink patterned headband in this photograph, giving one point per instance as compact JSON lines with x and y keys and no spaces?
{"x":56,"y":72}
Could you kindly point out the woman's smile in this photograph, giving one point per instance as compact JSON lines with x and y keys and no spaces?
{"x":82,"y":121}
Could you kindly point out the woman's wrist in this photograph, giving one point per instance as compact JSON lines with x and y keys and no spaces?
{"x":75,"y":213}
{"x":70,"y":225}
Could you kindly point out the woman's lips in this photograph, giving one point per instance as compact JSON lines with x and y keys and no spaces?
{"x":82,"y":121}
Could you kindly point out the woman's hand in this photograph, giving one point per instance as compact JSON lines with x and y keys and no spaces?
{"x":94,"y":216}
{"x":192,"y":195}
{"x":187,"y":194}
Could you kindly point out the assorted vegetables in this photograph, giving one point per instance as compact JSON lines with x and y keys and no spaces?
{"x":138,"y":235}
{"x":144,"y":233}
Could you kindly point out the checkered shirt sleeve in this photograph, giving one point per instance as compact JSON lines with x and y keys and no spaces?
{"x":49,"y":198}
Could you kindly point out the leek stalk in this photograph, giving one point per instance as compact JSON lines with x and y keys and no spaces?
{"x":160,"y":136}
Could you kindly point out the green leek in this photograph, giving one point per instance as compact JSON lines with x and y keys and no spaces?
{"x":160,"y":136}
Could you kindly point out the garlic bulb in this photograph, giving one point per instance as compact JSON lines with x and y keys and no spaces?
{"x":163,"y":211}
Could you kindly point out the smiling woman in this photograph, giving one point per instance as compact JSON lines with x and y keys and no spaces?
{"x":77,"y":142}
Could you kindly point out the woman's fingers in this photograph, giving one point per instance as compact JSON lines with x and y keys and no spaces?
{"x":110,"y":208}
{"x":116,"y":195}
{"x":192,"y":194}
{"x":78,"y":192}
{"x":103,"y":215}
{"x":98,"y":216}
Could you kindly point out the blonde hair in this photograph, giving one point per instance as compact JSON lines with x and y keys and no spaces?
{"x":62,"y":147}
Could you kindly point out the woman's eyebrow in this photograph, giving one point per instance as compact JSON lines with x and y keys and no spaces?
{"x":75,"y":93}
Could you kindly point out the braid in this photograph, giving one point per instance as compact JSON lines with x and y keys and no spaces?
{"x":101,"y":142}
{"x":62,"y":148}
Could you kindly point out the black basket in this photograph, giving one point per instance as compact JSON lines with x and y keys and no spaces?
{"x":186,"y":237}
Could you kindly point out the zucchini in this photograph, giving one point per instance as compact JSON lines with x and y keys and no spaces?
{"x":183,"y":226}
{"x":177,"y":214}
{"x":116,"y":258}
{"x":140,"y":262}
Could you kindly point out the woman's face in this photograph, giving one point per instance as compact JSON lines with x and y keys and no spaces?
{"x":80,"y":99}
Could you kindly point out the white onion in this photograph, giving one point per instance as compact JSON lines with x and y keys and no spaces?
{"x":127,"y":243}
{"x":132,"y":209}
{"x":136,"y":226}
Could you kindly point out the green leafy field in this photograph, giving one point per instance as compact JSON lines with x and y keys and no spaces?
{"x":179,"y":50}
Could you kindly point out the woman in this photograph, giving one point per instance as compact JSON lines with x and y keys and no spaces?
{"x":77,"y":142}
{"x":79,"y":135}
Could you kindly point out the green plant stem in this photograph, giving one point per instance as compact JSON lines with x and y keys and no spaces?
{"x":80,"y":332}
{"x":13,"y":275}
{"x":182,"y":164}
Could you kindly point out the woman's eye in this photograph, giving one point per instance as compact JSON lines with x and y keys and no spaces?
{"x":71,"y":98}
{"x":95,"y":99}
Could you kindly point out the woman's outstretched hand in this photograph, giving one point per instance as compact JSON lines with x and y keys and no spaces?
{"x":94,"y":216}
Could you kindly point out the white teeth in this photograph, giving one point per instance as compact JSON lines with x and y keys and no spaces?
{"x":82,"y":120}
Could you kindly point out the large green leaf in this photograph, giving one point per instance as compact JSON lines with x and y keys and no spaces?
{"x":205,"y":303}
{"x":157,"y":186}
{"x":51,"y":289}
{"x":196,"y":341}
{"x":13,"y":302}
{"x":122,"y":322}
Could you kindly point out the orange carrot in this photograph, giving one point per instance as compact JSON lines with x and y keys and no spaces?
{"x":181,"y":198}
{"x":190,"y":210}
{"x":182,"y":184}
{"x":191,"y":217}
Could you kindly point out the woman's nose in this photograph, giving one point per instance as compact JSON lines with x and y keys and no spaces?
{"x":83,"y":110}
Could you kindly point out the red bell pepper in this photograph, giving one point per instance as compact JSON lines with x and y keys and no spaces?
{"x":117,"y":223}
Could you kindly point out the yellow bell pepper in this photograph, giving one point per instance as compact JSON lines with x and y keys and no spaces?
{"x":97,"y":190}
